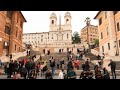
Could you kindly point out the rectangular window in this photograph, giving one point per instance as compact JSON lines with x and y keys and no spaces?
{"x":107,"y":31}
{"x":108,"y":46}
{"x":15,"y":47}
{"x":105,"y":14}
{"x":101,"y":35}
{"x":103,"y":48}
{"x":119,"y":43}
{"x":7,"y":30}
{"x":100,"y":21}
{"x":9,"y":14}
{"x":118,"y":27}
{"x":67,"y":35}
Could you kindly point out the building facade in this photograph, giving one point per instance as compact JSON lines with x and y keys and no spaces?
{"x":109,"y":32}
{"x":88,"y":34}
{"x":58,"y":37}
{"x":11,"y":29}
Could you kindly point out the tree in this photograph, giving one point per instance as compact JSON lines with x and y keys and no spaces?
{"x":96,"y":42}
{"x":76,"y":37}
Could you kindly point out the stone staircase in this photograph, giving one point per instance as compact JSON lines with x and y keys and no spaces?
{"x":91,"y":56}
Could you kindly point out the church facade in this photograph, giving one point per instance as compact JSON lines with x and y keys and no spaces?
{"x":58,"y":37}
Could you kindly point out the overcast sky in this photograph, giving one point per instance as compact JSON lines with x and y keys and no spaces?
{"x":38,"y":21}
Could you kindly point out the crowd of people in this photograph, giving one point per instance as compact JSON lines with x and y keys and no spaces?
{"x":28,"y":69}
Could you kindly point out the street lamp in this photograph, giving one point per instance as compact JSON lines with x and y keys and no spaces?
{"x":7,"y":45}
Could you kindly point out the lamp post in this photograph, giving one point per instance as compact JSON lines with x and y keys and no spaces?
{"x":7,"y":45}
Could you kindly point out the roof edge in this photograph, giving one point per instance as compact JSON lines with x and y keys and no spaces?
{"x":23,"y":16}
{"x":97,"y":14}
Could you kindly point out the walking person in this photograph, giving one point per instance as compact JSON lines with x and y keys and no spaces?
{"x":87,"y":66}
{"x":112,"y":64}
{"x":52,"y":65}
{"x":40,"y":57}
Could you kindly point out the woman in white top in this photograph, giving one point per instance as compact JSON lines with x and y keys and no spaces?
{"x":61,"y":75}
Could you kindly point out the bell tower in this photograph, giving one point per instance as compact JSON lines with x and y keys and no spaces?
{"x":53,"y":22}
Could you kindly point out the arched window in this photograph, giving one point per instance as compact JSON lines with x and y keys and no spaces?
{"x":67,"y":20}
{"x":52,"y":21}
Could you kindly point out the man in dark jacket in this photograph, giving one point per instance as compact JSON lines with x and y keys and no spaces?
{"x":23,"y":72}
{"x":11,"y":68}
{"x":113,"y":67}
{"x":87,"y":65}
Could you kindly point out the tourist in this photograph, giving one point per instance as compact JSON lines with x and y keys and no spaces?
{"x":106,"y":74}
{"x":10,"y":56}
{"x":18,"y":75}
{"x":112,"y":64}
{"x":61,"y":75}
{"x":11,"y":68}
{"x":52,"y":65}
{"x":98,"y":57}
{"x":23,"y":72}
{"x":69,"y":66}
{"x":42,"y":68}
{"x":90,"y":75}
{"x":83,"y":75}
{"x":98,"y":74}
{"x":83,"y":67}
{"x":87,"y":65}
{"x":62,"y":62}
{"x":40,"y":57}
{"x":48,"y":74}
{"x":15,"y":67}
{"x":28,"y":67}
{"x":32,"y":74}
{"x":43,"y":51}
{"x":71,"y":74}
{"x":58,"y":64}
